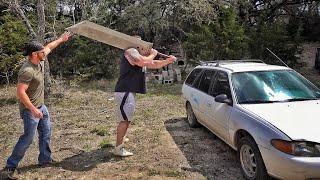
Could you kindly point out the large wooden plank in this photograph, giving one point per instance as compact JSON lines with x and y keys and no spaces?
{"x":109,"y":36}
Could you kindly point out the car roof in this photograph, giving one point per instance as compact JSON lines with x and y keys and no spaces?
{"x":241,"y":65}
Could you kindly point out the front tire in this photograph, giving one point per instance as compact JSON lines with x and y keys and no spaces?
{"x":252,"y":165}
{"x":192,"y":120}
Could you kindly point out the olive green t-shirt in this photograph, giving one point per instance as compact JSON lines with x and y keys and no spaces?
{"x":33,"y":75}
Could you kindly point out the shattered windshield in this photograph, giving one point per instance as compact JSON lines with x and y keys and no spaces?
{"x":272,"y":86}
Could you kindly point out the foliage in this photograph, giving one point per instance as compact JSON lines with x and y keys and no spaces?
{"x":13,"y":36}
{"x":82,"y":56}
{"x":224,"y":39}
{"x":277,"y":39}
{"x":208,"y":30}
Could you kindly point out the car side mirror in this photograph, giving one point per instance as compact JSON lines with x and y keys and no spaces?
{"x":223,"y":98}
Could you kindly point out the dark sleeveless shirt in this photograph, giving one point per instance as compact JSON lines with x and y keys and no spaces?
{"x":131,"y":79}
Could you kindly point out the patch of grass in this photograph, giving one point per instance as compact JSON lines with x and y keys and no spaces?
{"x":173,"y":173}
{"x":167,"y":173}
{"x":101,"y":131}
{"x":102,"y":84}
{"x":163,"y":89}
{"x":8,"y":101}
{"x":153,"y":172}
{"x":87,"y":147}
{"x":106,"y":143}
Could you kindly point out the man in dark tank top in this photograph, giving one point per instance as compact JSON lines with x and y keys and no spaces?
{"x":132,"y":81}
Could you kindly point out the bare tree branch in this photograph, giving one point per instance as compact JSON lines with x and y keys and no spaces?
{"x":16,"y":8}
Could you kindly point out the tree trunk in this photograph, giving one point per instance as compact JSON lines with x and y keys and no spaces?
{"x":41,"y":20}
{"x":41,"y":33}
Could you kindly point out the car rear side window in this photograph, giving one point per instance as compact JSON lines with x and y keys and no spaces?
{"x":193,"y":75}
{"x":206,"y":80}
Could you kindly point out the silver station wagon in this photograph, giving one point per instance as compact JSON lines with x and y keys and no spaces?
{"x":269,"y":114}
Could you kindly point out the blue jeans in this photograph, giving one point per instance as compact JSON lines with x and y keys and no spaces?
{"x":32,"y":124}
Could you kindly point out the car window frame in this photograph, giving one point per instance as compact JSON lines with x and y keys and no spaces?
{"x":215,"y":80}
{"x":196,"y":78}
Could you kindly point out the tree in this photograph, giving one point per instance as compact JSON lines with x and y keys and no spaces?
{"x":203,"y":29}
{"x":224,"y":39}
{"x":16,"y":9}
{"x":12,"y":37}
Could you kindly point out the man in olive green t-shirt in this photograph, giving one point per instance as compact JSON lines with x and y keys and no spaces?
{"x":33,"y":75}
{"x":35,"y":115}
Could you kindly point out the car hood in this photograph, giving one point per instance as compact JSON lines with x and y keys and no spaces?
{"x":299,"y":120}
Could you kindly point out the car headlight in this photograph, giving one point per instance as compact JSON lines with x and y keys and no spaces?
{"x":297,"y":148}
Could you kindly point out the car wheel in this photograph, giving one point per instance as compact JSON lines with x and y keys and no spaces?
{"x":252,"y":165}
{"x":192,"y":120}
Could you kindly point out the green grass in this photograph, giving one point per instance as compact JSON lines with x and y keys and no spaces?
{"x":87,"y":147}
{"x":101,"y":131}
{"x":164,"y":89}
{"x":173,"y":173}
{"x":106,"y":143}
{"x":166,"y":172}
{"x":8,"y":101}
{"x":153,"y":172}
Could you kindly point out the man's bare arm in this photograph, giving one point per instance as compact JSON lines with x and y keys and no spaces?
{"x":22,"y":95}
{"x":157,"y":64}
{"x":52,"y":45}
{"x":135,"y":58}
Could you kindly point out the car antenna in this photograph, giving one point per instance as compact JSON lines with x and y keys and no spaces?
{"x":277,"y":57}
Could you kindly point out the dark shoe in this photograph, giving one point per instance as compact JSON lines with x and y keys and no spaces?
{"x":48,"y":164}
{"x":8,"y":173}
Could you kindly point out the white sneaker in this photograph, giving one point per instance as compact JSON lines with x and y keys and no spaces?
{"x":121,"y":151}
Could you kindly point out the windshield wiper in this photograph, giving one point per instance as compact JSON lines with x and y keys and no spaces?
{"x":300,"y":99}
{"x":286,"y":100}
{"x":258,"y":102}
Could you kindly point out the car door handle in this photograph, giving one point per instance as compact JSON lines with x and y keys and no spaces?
{"x":209,"y":104}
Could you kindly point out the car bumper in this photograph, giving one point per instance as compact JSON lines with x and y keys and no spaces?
{"x":285,"y":166}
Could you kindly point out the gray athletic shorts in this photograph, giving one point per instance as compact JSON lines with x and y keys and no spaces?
{"x":125,"y":105}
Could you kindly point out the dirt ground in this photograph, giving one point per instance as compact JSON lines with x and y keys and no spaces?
{"x":84,"y":122}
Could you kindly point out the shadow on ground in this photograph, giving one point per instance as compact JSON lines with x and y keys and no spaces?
{"x":84,"y":161}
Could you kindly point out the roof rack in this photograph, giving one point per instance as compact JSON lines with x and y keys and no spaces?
{"x":217,"y":63}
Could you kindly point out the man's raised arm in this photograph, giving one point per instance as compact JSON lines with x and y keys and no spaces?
{"x":135,"y":58}
{"x":52,"y":45}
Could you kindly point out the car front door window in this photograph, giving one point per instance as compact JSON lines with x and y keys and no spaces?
{"x":221,"y":85}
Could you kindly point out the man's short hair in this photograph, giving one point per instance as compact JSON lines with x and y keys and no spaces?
{"x":31,"y":47}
